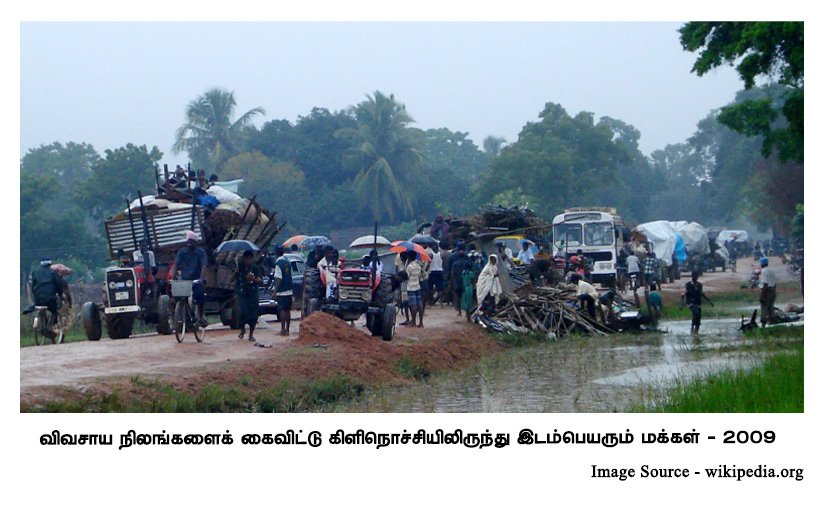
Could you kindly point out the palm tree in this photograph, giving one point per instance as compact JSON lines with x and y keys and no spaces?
{"x":387,"y":155}
{"x":209,"y":135}
{"x":493,"y":145}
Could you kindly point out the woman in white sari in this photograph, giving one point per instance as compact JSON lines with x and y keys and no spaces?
{"x":488,"y":282}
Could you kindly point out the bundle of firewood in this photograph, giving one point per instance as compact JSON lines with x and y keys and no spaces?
{"x":505,"y":218}
{"x":548,"y":310}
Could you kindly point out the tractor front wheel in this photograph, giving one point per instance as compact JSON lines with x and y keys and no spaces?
{"x":90,"y":315}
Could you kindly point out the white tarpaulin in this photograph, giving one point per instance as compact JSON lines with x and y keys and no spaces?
{"x":732,"y":235}
{"x":695,"y":238}
{"x":677,"y":224}
{"x":662,"y":237}
{"x":222,"y":195}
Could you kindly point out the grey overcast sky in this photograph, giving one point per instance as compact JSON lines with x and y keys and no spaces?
{"x":109,"y":84}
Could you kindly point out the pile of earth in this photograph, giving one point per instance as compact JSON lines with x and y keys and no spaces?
{"x":351,"y":351}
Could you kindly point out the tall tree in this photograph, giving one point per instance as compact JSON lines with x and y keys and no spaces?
{"x":387,"y":157}
{"x":211,"y":135}
{"x":118,"y":177}
{"x":557,"y":162}
{"x":69,"y":164}
{"x":772,"y":50}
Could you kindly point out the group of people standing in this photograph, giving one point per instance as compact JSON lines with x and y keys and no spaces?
{"x":459,"y":277}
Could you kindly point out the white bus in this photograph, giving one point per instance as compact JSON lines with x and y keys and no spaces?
{"x":597,"y":231}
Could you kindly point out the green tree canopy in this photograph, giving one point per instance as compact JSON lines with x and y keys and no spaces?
{"x":117,"y":178}
{"x":69,"y":164}
{"x":770,"y":50}
{"x":557,"y":162}
{"x":278,"y":185}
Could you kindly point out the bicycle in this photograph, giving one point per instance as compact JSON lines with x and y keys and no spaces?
{"x":186,"y":314}
{"x":46,"y":325}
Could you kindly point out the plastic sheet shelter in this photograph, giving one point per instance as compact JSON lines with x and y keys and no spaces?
{"x":695,"y":238}
{"x":662,"y":237}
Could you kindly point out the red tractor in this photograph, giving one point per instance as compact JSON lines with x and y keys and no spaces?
{"x":354,"y":292}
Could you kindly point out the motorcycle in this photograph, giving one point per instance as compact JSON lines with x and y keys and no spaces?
{"x":755,"y":275}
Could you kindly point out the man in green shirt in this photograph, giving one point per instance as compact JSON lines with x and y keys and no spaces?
{"x":654,"y":305}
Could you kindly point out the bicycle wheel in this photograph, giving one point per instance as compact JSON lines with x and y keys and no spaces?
{"x":58,"y":336}
{"x":199,"y":332}
{"x":40,"y":324}
{"x":181,"y":310}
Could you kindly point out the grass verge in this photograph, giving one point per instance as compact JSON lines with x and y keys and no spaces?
{"x":774,"y":386}
{"x":286,"y":396}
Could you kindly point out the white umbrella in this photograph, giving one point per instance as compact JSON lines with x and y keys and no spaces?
{"x":370,"y":242}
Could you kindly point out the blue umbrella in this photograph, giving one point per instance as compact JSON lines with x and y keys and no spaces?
{"x":315,"y":240}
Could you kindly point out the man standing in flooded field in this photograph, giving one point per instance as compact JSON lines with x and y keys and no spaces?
{"x":768,"y":292}
{"x":693,"y":293}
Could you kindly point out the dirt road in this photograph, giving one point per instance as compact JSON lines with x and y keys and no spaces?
{"x":81,"y":364}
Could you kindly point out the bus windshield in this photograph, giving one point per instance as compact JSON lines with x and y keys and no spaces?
{"x":598,"y":234}
{"x":567,"y":235}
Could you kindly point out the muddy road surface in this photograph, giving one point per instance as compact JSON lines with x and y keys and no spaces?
{"x":82,"y":364}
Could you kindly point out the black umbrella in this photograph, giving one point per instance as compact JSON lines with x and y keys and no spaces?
{"x":425,"y":240}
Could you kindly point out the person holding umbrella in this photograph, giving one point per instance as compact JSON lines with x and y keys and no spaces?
{"x":248,"y":278}
{"x":314,"y":257}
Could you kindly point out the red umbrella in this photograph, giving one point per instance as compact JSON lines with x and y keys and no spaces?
{"x":401,"y":246}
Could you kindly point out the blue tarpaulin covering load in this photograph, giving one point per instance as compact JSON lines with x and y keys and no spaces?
{"x":680,"y":249}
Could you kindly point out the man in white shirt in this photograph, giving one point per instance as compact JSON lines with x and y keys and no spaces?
{"x":633,"y":270}
{"x":768,"y":292}
{"x":435,"y":278}
{"x":414,"y":270}
{"x":525,"y":256}
{"x":587,"y":295}
{"x":330,"y":267}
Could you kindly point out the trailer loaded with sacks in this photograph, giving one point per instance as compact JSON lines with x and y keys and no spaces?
{"x":134,"y":291}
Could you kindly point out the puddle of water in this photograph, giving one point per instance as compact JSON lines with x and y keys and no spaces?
{"x":599,"y":374}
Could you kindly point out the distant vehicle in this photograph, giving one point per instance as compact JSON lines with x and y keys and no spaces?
{"x":598,"y":232}
{"x":513,"y":242}
{"x":266,"y":294}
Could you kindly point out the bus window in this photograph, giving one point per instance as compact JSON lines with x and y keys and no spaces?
{"x":567,"y":235}
{"x":598,"y":234}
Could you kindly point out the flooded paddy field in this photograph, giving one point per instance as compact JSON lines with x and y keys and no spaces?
{"x":578,"y":374}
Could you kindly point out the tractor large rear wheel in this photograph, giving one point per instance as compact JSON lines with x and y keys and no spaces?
{"x":90,"y":315}
{"x":119,"y":326}
{"x":165,"y":315}
{"x":383,"y":293}
{"x":312,"y":285}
